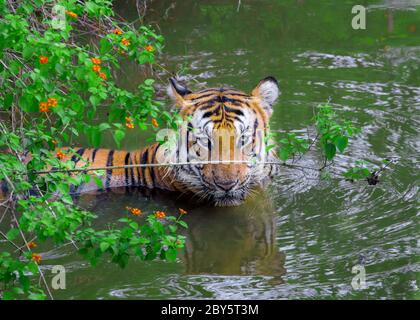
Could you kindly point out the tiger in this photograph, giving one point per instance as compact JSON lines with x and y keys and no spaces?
{"x":209,"y":115}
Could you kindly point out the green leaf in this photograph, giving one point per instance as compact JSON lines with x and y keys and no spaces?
{"x":8,"y":100}
{"x":330,"y":150}
{"x":37,"y":296}
{"x":183,"y":224}
{"x":341,"y":143}
{"x":118,"y":136}
{"x":98,"y":181}
{"x":284,"y":154}
{"x":105,"y":46}
{"x":28,"y":103}
{"x":170,"y":254}
{"x":104,"y":246}
{"x":12,"y":234}
{"x":94,"y":100}
{"x":94,"y":136}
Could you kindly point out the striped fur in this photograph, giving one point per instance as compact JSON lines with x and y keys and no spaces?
{"x":209,"y":115}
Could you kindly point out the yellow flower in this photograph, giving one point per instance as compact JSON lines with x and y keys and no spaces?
{"x":52,"y":102}
{"x":149,"y":48}
{"x":117,"y":31}
{"x":125,"y":42}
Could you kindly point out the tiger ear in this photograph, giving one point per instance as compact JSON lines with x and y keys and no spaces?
{"x":267,"y":91}
{"x":177,"y":91}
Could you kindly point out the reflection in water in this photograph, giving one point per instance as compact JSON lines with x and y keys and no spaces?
{"x":229,"y":241}
{"x":238,"y":241}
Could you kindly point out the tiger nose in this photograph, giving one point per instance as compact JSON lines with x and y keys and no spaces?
{"x":226,"y":185}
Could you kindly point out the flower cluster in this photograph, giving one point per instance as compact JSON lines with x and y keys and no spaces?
{"x":134,"y":211}
{"x":129,"y":123}
{"x":36,"y":257}
{"x":97,"y":68}
{"x":96,"y":60}
{"x":182,"y":211}
{"x":155,"y":123}
{"x":149,"y":48}
{"x":60,"y":155}
{"x":125,"y":42}
{"x":45,"y":106}
{"x":43,"y":59}
{"x":160,"y":214}
{"x":32,"y":245}
{"x":117,"y":31}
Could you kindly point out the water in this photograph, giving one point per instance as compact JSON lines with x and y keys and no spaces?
{"x":302,"y":236}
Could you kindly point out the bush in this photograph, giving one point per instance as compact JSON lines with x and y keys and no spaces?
{"x":53,"y":86}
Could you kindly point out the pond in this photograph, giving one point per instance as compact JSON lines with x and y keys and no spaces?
{"x":301,"y":237}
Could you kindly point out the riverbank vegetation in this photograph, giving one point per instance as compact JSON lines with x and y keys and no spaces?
{"x":57,"y":65}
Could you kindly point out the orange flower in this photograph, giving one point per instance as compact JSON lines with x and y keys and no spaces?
{"x":43,"y":59}
{"x":71,"y":14}
{"x":60,"y":155}
{"x":182,"y":211}
{"x":129,"y":123}
{"x":52,"y":102}
{"x":155,"y":123}
{"x":102,"y":75}
{"x":54,"y":141}
{"x":160,"y":214}
{"x":117,"y":31}
{"x":96,"y":60}
{"x":36,"y":257}
{"x":125,"y":42}
{"x":96,"y":68}
{"x":135,"y":211}
{"x":149,"y":48}
{"x":32,"y":245}
{"x":44,"y":107}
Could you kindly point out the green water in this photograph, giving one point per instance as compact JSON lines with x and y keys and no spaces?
{"x":302,"y":236}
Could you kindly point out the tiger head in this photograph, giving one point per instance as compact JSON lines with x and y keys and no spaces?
{"x":230,"y":127}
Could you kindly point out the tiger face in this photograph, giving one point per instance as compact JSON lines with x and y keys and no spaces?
{"x":229,"y":127}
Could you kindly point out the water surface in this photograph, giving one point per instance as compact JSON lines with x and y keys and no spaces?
{"x":302,"y":236}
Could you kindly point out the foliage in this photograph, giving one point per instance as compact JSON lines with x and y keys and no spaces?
{"x":331,"y":137}
{"x":57,"y":61}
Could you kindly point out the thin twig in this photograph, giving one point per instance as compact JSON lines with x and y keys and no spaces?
{"x":171,"y":164}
